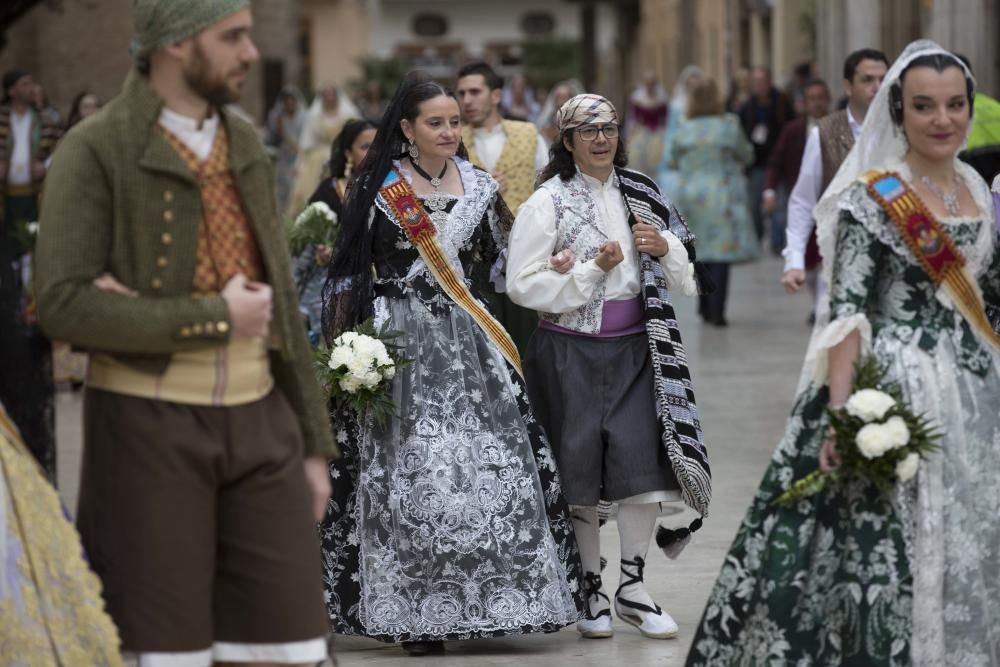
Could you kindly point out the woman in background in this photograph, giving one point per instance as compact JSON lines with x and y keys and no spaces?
{"x":284,"y":127}
{"x":348,"y":151}
{"x":327,"y":116}
{"x":667,"y":178}
{"x":710,"y":150}
{"x":84,"y":104}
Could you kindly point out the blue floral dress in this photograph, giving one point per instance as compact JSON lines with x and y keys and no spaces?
{"x":710,"y":154}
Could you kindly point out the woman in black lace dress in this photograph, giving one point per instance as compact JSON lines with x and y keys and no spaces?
{"x":448,"y":521}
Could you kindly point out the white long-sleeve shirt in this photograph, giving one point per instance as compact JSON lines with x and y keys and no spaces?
{"x":804,"y":197}
{"x":490,"y":143}
{"x":532,"y":283}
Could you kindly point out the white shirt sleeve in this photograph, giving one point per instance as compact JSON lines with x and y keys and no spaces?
{"x":801,"y":203}
{"x":679,"y":271}
{"x":531,"y":281}
{"x":541,"y":153}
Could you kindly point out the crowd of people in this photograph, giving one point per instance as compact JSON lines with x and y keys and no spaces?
{"x":524,"y":263}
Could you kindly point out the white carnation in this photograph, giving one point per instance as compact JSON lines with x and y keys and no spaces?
{"x":324,"y":209}
{"x":340,"y":356}
{"x":358,"y":366}
{"x":346,"y":338}
{"x":389,"y":372}
{"x":371,"y":379}
{"x":33,"y":228}
{"x":907,"y":468}
{"x":899,"y":434}
{"x":873,"y":440}
{"x":869,"y":404}
{"x":367,"y":347}
{"x":349,"y":384}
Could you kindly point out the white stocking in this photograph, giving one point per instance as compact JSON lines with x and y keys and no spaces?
{"x":588,"y":538}
{"x":635,"y":528}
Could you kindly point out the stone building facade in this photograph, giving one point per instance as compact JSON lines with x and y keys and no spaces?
{"x":85,"y":46}
{"x":721,"y":35}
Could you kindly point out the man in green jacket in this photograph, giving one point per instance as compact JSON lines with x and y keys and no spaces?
{"x":160,"y":252}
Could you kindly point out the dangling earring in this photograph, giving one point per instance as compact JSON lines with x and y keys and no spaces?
{"x":414,"y":152}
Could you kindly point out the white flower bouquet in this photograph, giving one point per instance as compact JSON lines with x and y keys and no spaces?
{"x":316,"y":225}
{"x":358,"y":368}
{"x":26,"y":234}
{"x":877,"y":436}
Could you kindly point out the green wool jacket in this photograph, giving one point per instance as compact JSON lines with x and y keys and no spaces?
{"x":120,"y":199}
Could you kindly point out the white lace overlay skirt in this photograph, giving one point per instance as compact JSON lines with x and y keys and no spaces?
{"x":953,"y":514}
{"x":454,"y":536}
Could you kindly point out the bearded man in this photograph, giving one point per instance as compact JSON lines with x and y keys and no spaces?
{"x":205,"y":431}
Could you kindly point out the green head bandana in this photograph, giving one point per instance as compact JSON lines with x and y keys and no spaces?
{"x":162,"y":22}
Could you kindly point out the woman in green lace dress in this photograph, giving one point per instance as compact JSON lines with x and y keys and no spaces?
{"x":853,"y":576}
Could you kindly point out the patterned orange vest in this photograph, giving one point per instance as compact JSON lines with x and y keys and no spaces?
{"x":226,"y":244}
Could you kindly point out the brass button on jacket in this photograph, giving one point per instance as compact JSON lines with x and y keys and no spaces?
{"x":162,"y":262}
{"x":168,"y":196}
{"x":157,"y":283}
{"x":168,"y":216}
{"x":167,"y":238}
{"x":223,"y":327}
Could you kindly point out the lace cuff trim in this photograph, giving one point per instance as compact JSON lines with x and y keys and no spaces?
{"x":832,"y":334}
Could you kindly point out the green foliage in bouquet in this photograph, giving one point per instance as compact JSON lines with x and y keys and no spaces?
{"x":878,"y":437}
{"x":356,"y":372}
{"x":316,"y":225}
{"x":26,"y":234}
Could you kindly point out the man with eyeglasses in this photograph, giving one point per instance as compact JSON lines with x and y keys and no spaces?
{"x":596,"y":250}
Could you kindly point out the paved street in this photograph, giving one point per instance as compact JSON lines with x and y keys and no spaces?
{"x":744,"y":379}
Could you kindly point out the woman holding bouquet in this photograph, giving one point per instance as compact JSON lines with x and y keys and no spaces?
{"x":348,"y":151}
{"x":854,"y":574}
{"x":447,"y":520}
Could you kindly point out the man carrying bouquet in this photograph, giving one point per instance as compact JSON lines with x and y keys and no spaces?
{"x":205,"y":429}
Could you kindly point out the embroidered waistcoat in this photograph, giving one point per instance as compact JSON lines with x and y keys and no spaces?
{"x":516,"y":163}
{"x":835,"y":141}
{"x":226,"y":243}
{"x":580,"y":229}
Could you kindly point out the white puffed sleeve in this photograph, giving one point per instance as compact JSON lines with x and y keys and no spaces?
{"x":531,"y":281}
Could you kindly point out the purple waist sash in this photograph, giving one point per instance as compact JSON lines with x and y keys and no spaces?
{"x":619,"y":318}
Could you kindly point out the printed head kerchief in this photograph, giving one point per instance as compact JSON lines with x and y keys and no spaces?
{"x":586,"y":109}
{"x":162,"y":22}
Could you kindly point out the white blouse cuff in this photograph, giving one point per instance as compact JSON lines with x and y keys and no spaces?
{"x":679,"y":271}
{"x":831,"y":335}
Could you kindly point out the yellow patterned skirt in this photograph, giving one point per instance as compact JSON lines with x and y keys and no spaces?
{"x":51,"y":612}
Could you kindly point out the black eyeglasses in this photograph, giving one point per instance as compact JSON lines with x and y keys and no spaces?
{"x":590,"y":132}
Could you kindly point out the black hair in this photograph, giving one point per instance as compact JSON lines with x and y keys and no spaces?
{"x":347,"y":295}
{"x":854,"y":59}
{"x":804,"y":69}
{"x":939,"y":62}
{"x":492,"y":79}
{"x":10,"y":78}
{"x":561,"y":161}
{"x":816,"y":82}
{"x":342,"y":145}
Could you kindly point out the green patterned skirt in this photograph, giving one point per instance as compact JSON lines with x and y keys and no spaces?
{"x":827,"y":582}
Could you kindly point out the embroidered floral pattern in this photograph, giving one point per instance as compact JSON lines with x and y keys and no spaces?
{"x":449,"y":523}
{"x":852,"y":577}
